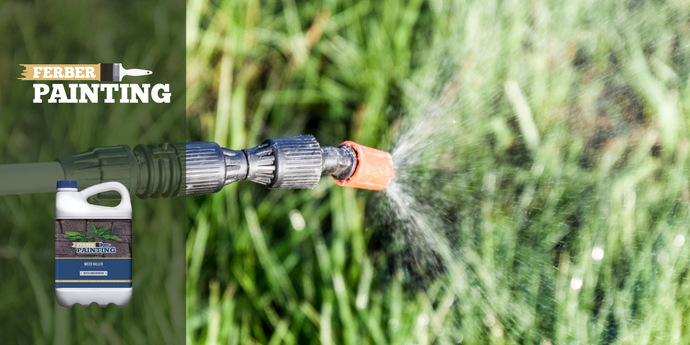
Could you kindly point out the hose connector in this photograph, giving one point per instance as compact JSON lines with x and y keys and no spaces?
{"x":291,"y":162}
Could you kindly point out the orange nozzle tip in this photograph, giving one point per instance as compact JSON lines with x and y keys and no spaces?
{"x":374,"y":168}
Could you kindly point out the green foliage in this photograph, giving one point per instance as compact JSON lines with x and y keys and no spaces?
{"x":103,"y":233}
{"x":569,"y":137}
{"x":79,"y":236}
{"x":82,"y":236}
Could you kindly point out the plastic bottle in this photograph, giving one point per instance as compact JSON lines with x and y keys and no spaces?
{"x":93,"y":247}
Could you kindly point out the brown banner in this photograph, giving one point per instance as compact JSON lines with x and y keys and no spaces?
{"x":61,"y":72}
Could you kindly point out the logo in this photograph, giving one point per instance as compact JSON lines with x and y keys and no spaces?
{"x":92,"y":93}
{"x":93,"y":247}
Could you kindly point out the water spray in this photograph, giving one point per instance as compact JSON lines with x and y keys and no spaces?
{"x":197,"y":168}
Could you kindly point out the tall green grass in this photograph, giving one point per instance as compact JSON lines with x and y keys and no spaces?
{"x":571,"y":139}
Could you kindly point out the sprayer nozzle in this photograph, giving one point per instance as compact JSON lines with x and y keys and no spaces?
{"x":374,"y":168}
{"x":286,"y":163}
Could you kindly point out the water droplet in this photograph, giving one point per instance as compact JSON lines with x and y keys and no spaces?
{"x":537,"y":169}
{"x":662,"y":258}
{"x":361,"y":301}
{"x":297,"y":220}
{"x":597,"y":253}
{"x":490,"y":320}
{"x":576,"y":283}
{"x":423,"y":319}
{"x":629,"y":199}
{"x":679,"y":240}
{"x":393,"y":324}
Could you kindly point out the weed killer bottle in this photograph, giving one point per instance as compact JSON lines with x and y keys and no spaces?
{"x":93,"y":247}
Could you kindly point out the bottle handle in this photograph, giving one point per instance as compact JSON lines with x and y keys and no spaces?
{"x":107,"y":187}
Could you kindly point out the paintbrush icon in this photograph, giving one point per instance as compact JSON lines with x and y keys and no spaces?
{"x":100,"y":72}
{"x":115,"y":72}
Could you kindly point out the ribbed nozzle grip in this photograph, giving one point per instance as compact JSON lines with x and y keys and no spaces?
{"x":148,"y":171}
{"x":210,"y":167}
{"x":297,"y":162}
{"x":205,"y":168}
{"x":161,"y":170}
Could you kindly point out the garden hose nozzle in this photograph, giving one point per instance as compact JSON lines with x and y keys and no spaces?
{"x":374,"y":168}
{"x":196,"y":168}
{"x":286,"y":163}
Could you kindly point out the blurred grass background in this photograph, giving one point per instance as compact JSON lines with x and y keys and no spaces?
{"x":564,"y":193}
{"x":140,"y":35}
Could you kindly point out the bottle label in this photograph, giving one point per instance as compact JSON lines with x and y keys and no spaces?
{"x":93,"y":253}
